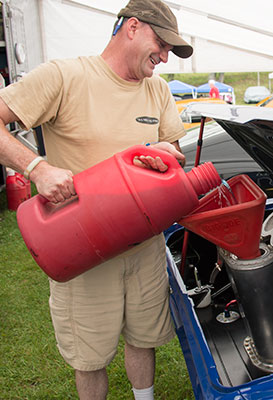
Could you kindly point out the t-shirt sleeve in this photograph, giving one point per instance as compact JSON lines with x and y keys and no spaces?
{"x":36,"y":97}
{"x":171,"y":126}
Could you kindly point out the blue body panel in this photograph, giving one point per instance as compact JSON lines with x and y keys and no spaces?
{"x":251,"y":128}
{"x":200,"y":363}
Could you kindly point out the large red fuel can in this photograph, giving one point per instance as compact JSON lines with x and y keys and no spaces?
{"x":118,"y":205}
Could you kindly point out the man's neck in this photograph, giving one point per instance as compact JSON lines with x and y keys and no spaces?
{"x":113,"y":56}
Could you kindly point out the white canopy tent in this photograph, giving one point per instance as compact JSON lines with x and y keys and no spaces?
{"x":226,"y":36}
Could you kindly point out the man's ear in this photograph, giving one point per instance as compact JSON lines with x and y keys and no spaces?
{"x":132,"y":26}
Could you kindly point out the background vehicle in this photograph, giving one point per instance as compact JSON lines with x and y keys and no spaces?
{"x":228,"y":157}
{"x":267,"y":102}
{"x":254,"y":94}
{"x":218,"y":307}
{"x":182,"y":104}
{"x":184,"y":107}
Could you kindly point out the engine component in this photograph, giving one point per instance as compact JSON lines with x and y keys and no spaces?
{"x":254,"y":282}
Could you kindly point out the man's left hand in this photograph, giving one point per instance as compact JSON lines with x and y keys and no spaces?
{"x":156,"y":163}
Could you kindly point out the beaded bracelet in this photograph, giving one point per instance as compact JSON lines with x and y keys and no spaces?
{"x":32,"y":165}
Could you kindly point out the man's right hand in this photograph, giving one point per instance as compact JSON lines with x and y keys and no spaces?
{"x":55,"y":184}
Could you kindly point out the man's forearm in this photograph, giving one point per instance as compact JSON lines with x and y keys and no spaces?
{"x":13,"y":153}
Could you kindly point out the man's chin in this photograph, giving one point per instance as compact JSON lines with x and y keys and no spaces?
{"x":149,"y":73}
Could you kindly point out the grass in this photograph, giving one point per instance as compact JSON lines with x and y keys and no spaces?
{"x":240,"y":81}
{"x":30,"y":364}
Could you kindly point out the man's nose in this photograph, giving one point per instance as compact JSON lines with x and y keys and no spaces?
{"x":164,"y":55}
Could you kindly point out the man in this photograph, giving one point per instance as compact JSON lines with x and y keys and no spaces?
{"x":214,"y":92}
{"x":127,"y":295}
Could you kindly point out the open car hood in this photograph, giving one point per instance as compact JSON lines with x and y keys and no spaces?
{"x":250,"y":126}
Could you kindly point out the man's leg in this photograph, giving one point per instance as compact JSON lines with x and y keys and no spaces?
{"x":92,"y":385}
{"x":140,"y":366}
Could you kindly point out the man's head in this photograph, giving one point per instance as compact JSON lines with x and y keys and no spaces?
{"x":161,"y":19}
{"x":212,"y":82}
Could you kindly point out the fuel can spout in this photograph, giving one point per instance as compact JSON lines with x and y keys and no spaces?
{"x":231,"y":219}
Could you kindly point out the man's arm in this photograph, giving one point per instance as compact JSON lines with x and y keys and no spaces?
{"x":182,"y":158}
{"x":55,"y":184}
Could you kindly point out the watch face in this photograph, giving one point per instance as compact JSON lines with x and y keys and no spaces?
{"x":20,"y":53}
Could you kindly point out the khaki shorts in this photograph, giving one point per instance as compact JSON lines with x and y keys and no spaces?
{"x":127,"y":295}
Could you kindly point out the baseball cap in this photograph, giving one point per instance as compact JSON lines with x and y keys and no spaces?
{"x":161,"y":19}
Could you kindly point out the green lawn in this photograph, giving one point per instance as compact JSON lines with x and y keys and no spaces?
{"x":30,"y":365}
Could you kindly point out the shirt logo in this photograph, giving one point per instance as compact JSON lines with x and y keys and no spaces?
{"x":147,"y":120}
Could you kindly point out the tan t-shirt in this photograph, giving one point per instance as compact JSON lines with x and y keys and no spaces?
{"x":88,"y":113}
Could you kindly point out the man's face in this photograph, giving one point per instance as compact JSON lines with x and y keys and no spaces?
{"x":149,"y":50}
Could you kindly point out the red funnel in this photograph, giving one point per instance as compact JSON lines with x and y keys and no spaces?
{"x":234,"y":227}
